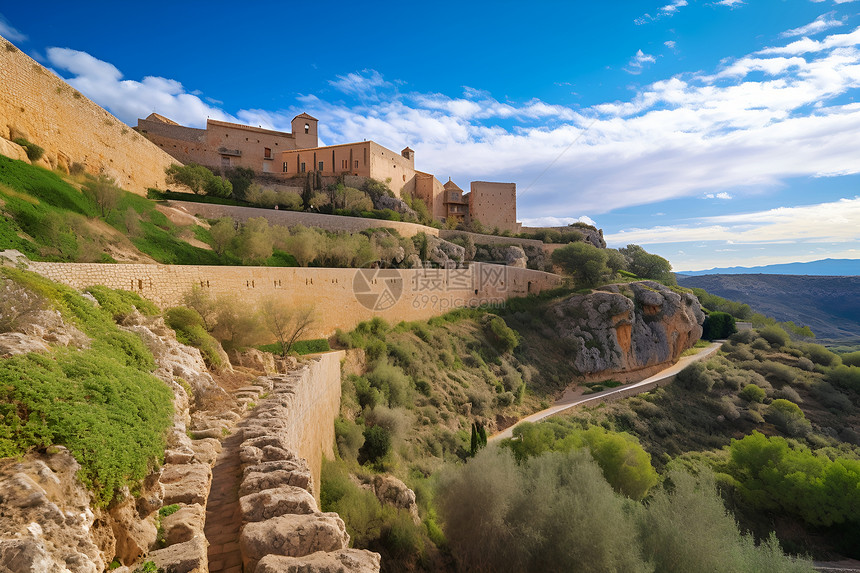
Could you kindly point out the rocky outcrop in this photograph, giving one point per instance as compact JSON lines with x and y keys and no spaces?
{"x":444,"y":253}
{"x":47,"y":524}
{"x":390,"y":490}
{"x":509,"y":255}
{"x":623,"y":329}
{"x":395,"y":204}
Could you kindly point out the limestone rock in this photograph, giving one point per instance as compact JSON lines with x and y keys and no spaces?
{"x":186,"y":483}
{"x":342,"y":561}
{"x":151,"y":496}
{"x":254,"y":359}
{"x":293,"y":536}
{"x":271,"y":503}
{"x":13,"y":150}
{"x":206,"y":450}
{"x":134,"y":536}
{"x":270,"y":475}
{"x":624,"y":328}
{"x":13,"y":343}
{"x":26,"y":556}
{"x":444,"y":253}
{"x":395,"y":204}
{"x":390,"y":490}
{"x":184,"y":524}
{"x":188,"y":557}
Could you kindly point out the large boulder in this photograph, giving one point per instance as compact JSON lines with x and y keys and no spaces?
{"x":342,"y":561}
{"x":270,"y":503}
{"x":395,"y":204}
{"x":13,"y":150}
{"x":188,"y":557}
{"x":186,"y":483}
{"x":444,"y":253}
{"x":184,"y":524}
{"x":392,"y":491}
{"x":292,"y":536}
{"x":627,"y":328}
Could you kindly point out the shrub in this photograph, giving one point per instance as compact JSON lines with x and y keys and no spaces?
{"x":121,"y":303}
{"x":349,"y":437}
{"x":851,"y":359}
{"x":788,"y":417}
{"x":819,"y":354}
{"x":696,"y":377}
{"x":752,"y":393}
{"x":391,"y":382}
{"x":503,"y":337}
{"x":377,"y":444}
{"x":718,"y":325}
{"x":188,"y":325}
{"x":34,"y":152}
{"x":774,"y":335}
{"x":845,"y":376}
{"x":583,"y":261}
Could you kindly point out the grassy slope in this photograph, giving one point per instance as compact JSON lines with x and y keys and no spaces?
{"x":101,"y":401}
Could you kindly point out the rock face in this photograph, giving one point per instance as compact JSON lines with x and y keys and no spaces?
{"x":395,"y":204}
{"x":392,"y":491}
{"x":444,"y":253}
{"x":46,"y":523}
{"x":342,"y":561}
{"x":626,"y":328}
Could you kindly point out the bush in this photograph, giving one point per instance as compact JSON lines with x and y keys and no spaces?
{"x":377,"y":444}
{"x":121,"y":303}
{"x":718,"y":325}
{"x":845,"y":376}
{"x":752,"y":393}
{"x":583,"y":261}
{"x":391,"y":382}
{"x":503,"y":337}
{"x":34,"y":152}
{"x":696,"y":377}
{"x":349,"y":437}
{"x":788,"y":417}
{"x":188,"y":325}
{"x":776,"y":336}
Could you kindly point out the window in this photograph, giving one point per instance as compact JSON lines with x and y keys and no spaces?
{"x":344,"y":164}
{"x":302,"y":168}
{"x":356,"y":163}
{"x":307,"y":128}
{"x":267,"y":153}
{"x":285,"y":166}
{"x":321,"y":166}
{"x":225,"y":161}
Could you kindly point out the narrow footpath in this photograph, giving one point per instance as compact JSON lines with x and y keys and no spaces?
{"x":223,"y":518}
{"x":660,"y":379}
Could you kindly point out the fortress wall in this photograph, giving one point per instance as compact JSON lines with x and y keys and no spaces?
{"x":481,"y":239}
{"x":415,"y":294}
{"x":38,"y":105}
{"x":290,"y":218}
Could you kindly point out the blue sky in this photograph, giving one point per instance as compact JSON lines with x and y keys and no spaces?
{"x":715,"y":133}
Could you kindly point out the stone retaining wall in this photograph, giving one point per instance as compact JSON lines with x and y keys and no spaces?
{"x":341,"y":298}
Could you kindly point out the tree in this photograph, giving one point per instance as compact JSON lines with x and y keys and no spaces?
{"x":255,"y":241}
{"x":223,"y":232}
{"x":718,"y":325}
{"x":241,"y":178}
{"x":286,"y":323}
{"x":615,"y":261}
{"x":646,"y":265}
{"x":201,"y":300}
{"x":200,"y":180}
{"x":104,"y":192}
{"x":583,"y":261}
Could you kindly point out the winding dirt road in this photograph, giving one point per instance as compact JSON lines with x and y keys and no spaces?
{"x":571,"y":399}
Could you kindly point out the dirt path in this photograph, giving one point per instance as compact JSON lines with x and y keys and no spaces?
{"x":571,"y":398}
{"x":223,"y":518}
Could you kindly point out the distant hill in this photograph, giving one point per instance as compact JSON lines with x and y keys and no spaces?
{"x":830,"y":306}
{"x":825,"y":267}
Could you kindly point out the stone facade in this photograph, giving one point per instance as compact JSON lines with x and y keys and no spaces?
{"x":341,"y":298}
{"x":224,"y":145}
{"x":494,"y":205}
{"x":42,"y":108}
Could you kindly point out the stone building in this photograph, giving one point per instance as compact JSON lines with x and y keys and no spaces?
{"x":494,"y":205}
{"x":223,"y":145}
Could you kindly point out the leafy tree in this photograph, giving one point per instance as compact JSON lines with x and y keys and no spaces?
{"x":285,"y":322}
{"x":223,"y":233}
{"x":615,"y":261}
{"x":583,"y":261}
{"x":625,"y":465}
{"x":646,"y":265}
{"x":104,"y":193}
{"x":199,"y":179}
{"x":240,"y":178}
{"x":377,"y":444}
{"x":254,"y":242}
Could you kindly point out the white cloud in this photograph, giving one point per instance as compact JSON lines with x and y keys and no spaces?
{"x":9,"y":32}
{"x":669,"y":44}
{"x":831,"y":222}
{"x":820,"y":24}
{"x":673,"y":7}
{"x":637,"y":63}
{"x":806,"y":45}
{"x":730,"y":3}
{"x":720,"y":195}
{"x":682,"y":136}
{"x":557,"y":221}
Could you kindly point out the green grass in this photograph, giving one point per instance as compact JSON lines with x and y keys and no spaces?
{"x":101,"y":402}
{"x":592,"y":387}
{"x":300,"y":347}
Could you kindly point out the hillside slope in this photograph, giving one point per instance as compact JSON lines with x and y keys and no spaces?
{"x":828,"y":305}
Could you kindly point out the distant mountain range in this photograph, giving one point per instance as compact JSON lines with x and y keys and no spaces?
{"x":829,"y":305}
{"x":825,"y":267}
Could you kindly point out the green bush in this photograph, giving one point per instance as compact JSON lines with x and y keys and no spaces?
{"x":503,"y":337}
{"x":752,"y":393}
{"x":349,"y":437}
{"x":188,"y":325}
{"x":851,"y":359}
{"x":845,"y":376}
{"x":121,"y":303}
{"x":776,"y":336}
{"x":718,"y":325}
{"x":583,"y":261}
{"x":34,"y":152}
{"x":788,"y":417}
{"x":377,"y":444}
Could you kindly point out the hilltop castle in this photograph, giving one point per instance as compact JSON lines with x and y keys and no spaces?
{"x":297,"y":155}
